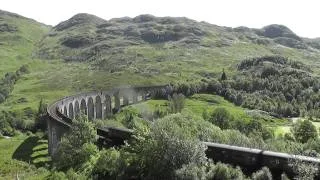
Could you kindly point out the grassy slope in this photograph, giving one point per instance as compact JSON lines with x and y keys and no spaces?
{"x":281,"y":130}
{"x":54,"y":79}
{"x":198,"y":103}
{"x":161,"y":63}
{"x":21,"y":155}
{"x":16,"y":47}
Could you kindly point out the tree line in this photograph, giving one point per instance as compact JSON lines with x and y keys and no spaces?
{"x":273,"y":84}
{"x":8,"y":81}
{"x":169,"y":148}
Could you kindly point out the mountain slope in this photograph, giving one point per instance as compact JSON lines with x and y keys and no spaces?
{"x":89,"y":53}
{"x":18,"y":37}
{"x":122,"y":43}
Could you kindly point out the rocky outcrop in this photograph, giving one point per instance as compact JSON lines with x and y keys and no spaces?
{"x":79,"y":20}
{"x":4,"y":27}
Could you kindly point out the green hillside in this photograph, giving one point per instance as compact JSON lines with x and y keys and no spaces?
{"x":18,"y":37}
{"x":144,"y":43}
{"x":270,"y":77}
{"x":87,"y":53}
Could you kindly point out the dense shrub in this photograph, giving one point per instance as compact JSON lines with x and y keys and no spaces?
{"x":195,"y":171}
{"x":263,"y":174}
{"x":224,"y":171}
{"x":221,"y":118}
{"x":40,"y":120}
{"x":209,"y":170}
{"x":115,"y":164}
{"x":76,"y":146}
{"x":304,"y":130}
{"x":170,"y":146}
{"x":303,"y":170}
{"x":7,"y":82}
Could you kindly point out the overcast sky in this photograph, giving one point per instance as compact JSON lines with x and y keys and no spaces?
{"x":301,"y":16}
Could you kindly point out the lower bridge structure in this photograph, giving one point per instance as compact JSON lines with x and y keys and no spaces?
{"x":103,"y":104}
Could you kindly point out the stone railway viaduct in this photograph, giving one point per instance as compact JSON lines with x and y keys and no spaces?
{"x":102,"y":104}
{"x":95,"y":105}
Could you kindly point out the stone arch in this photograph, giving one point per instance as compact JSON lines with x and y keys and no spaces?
{"x":90,"y":109}
{"x":98,"y":107}
{"x":76,"y":109}
{"x":65,"y":111}
{"x":83,"y":107}
{"x":108,"y":104}
{"x":71,"y":112}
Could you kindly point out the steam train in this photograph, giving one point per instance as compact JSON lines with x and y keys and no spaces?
{"x":249,"y":159}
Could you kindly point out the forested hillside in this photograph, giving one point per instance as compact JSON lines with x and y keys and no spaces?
{"x":274,"y":84}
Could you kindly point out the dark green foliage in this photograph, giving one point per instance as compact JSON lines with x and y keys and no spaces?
{"x":128,"y":119}
{"x":109,"y":164}
{"x":8,"y":81}
{"x":195,"y":171}
{"x":24,"y":69}
{"x":223,"y":76}
{"x":313,"y":144}
{"x":269,"y":71}
{"x":304,"y":131}
{"x":5,"y":125}
{"x":2,"y":98}
{"x":209,"y":170}
{"x":69,"y":175}
{"x":19,"y":120}
{"x":223,"y":171}
{"x":159,"y":112}
{"x":72,"y":175}
{"x":169,"y":146}
{"x":273,"y":84}
{"x":263,"y":174}
{"x":205,"y":114}
{"x":76,"y":146}
{"x":55,"y":175}
{"x":304,"y":171}
{"x":41,"y":121}
{"x":221,"y":118}
{"x":187,"y":89}
{"x":115,"y":164}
